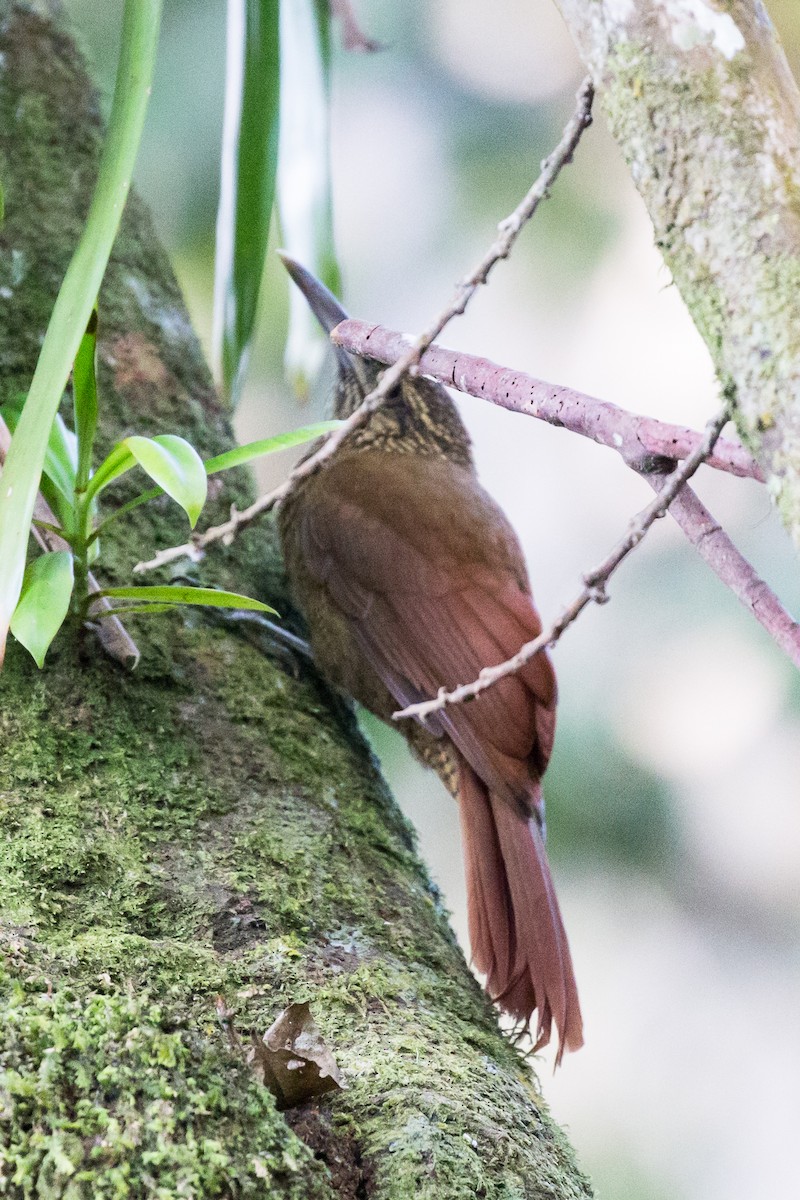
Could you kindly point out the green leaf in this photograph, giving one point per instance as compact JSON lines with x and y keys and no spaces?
{"x":43,"y":603}
{"x":117,"y":462}
{"x":169,"y":460}
{"x":247,"y":181}
{"x":73,"y":306}
{"x":304,"y":175}
{"x":164,"y":594}
{"x":84,"y":401}
{"x":61,"y":459}
{"x":57,"y":484}
{"x":175,"y":466}
{"x":223,"y":462}
{"x":282,"y":441}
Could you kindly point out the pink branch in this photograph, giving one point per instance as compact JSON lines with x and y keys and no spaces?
{"x":715,"y":547}
{"x":638,"y":439}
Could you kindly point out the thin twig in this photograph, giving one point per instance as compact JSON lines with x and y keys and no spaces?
{"x":508,"y":232}
{"x":637,"y":438}
{"x":594,"y":584}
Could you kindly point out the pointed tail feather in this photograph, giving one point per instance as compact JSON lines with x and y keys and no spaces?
{"x":516,"y":931}
{"x":489,"y":906}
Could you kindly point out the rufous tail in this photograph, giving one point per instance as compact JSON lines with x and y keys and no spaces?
{"x":515,"y":927}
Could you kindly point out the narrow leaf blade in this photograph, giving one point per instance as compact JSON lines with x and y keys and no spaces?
{"x":43,"y":603}
{"x":304,"y":175}
{"x":247,"y":183}
{"x":134,"y":610}
{"x":282,"y":441}
{"x":164,"y":594}
{"x":84,"y":399}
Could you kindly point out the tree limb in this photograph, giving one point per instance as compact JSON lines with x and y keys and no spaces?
{"x":703,"y":105}
{"x":635,"y":437}
{"x":716,"y":549}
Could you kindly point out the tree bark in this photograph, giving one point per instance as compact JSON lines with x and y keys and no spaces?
{"x":705,"y":109}
{"x":210,"y":825}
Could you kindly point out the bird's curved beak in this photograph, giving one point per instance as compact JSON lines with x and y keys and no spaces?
{"x":328,"y":311}
{"x":322,"y":302}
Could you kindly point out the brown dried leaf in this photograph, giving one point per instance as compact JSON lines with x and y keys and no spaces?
{"x":292,"y":1059}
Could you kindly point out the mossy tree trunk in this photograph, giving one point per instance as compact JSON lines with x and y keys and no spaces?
{"x":211,"y":825}
{"x":703,"y":104}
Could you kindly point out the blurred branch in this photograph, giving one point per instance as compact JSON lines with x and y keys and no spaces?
{"x":706,"y":112}
{"x":594,"y":584}
{"x":353,"y":36}
{"x":635,"y":437}
{"x":508,"y":232}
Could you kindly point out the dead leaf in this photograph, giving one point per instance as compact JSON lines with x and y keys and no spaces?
{"x":292,"y":1059}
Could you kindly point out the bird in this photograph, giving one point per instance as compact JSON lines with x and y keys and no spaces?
{"x":410,"y":579}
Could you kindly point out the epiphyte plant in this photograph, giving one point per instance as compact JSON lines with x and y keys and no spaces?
{"x":56,"y":585}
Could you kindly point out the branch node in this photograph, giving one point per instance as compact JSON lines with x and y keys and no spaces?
{"x":597,"y":591}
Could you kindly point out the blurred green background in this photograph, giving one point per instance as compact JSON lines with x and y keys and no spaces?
{"x":673,"y":793}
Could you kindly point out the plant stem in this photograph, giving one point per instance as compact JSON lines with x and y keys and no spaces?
{"x":80,"y":550}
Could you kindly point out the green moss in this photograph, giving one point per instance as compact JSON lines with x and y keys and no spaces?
{"x":408,"y":1084}
{"x":105,"y":1096}
{"x":226,"y":856}
{"x":82,"y":828}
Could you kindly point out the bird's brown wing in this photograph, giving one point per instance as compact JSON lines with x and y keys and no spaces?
{"x":430,"y":577}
